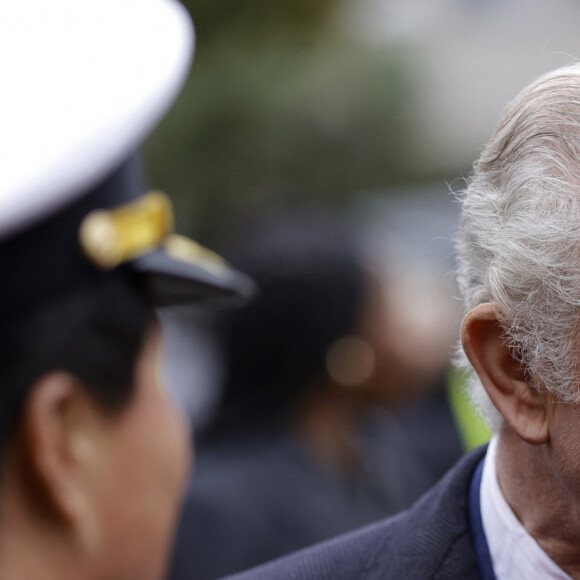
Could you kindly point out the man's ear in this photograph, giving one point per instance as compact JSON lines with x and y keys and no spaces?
{"x":60,"y":451}
{"x":523,"y":407}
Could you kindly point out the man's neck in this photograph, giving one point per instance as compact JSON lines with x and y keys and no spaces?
{"x":544,"y":506}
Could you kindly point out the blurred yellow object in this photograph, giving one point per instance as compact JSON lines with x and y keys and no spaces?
{"x":472,"y":428}
{"x":111,"y":237}
{"x":186,"y":250}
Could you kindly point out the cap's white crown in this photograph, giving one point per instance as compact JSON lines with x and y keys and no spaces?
{"x":82,"y":82}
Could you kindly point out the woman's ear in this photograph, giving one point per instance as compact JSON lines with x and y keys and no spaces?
{"x":59,"y":438}
{"x":524,"y":408}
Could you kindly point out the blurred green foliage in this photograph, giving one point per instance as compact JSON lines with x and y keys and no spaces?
{"x":216,"y":18}
{"x":281,"y":108}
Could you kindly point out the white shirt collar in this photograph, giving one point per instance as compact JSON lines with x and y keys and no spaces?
{"x":514,"y":552}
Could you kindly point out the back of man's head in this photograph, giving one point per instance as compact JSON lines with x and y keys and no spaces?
{"x":519,"y":246}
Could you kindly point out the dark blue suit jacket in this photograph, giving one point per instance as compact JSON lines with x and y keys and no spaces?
{"x":431,"y":540}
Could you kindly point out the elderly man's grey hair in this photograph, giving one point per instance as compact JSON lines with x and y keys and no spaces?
{"x":519,"y":244}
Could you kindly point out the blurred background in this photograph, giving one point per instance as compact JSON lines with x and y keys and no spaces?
{"x":372,"y":111}
{"x":336,"y":100}
{"x":372,"y":108}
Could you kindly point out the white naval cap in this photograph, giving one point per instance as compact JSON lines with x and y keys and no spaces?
{"x":83,"y":82}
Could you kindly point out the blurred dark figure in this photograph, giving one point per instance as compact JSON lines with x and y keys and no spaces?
{"x":304,"y":444}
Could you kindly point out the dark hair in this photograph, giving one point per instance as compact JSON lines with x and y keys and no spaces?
{"x":310,"y":289}
{"x":93,"y":332}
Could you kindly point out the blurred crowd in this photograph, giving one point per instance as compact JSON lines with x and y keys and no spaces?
{"x":329,"y":408}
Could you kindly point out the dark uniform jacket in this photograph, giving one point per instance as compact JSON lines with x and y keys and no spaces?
{"x":431,"y":540}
